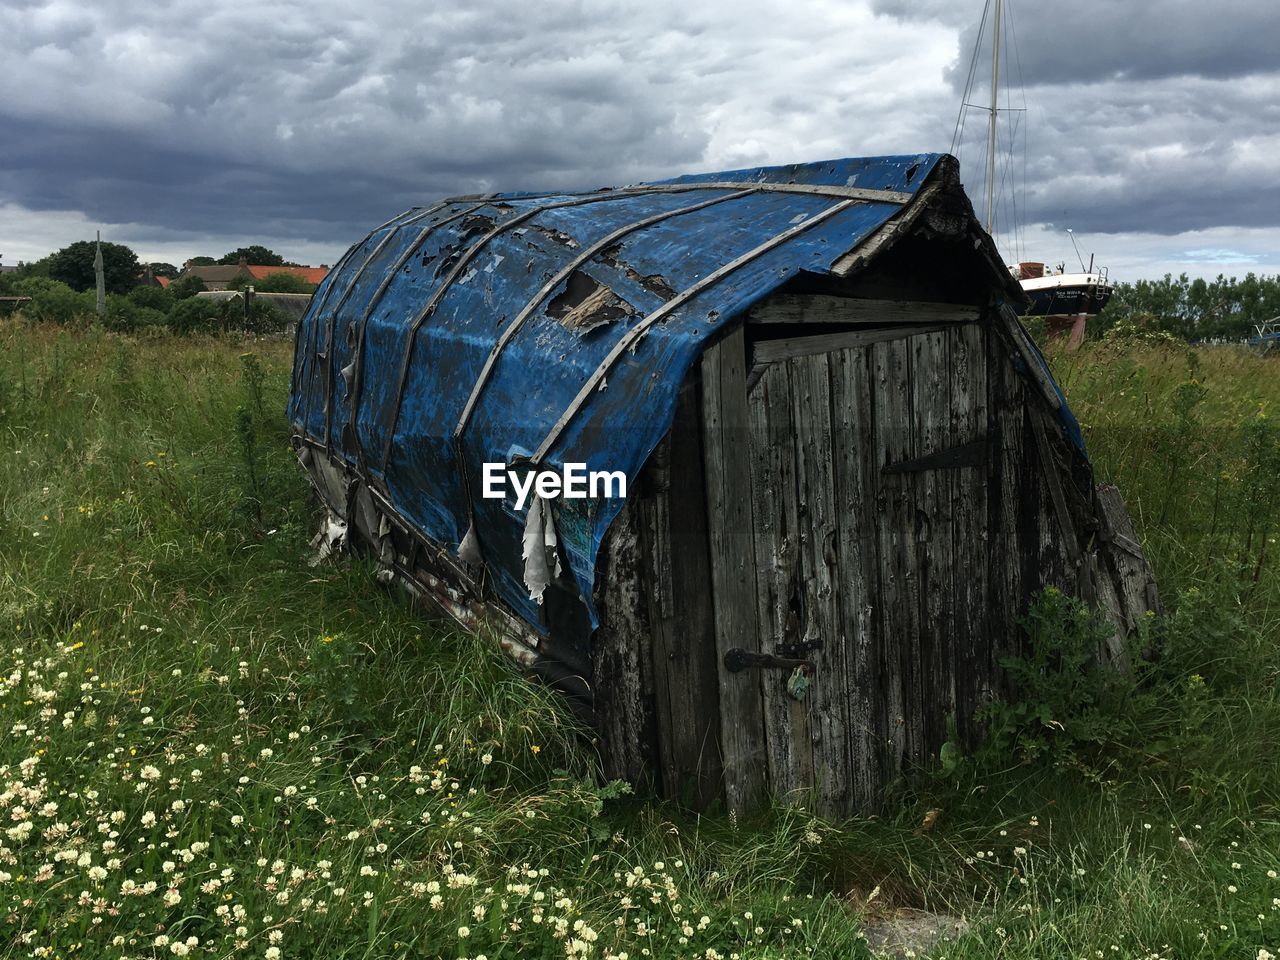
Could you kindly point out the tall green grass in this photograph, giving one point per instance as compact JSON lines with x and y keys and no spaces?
{"x":223,"y":751}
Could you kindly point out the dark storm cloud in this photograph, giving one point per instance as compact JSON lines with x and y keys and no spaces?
{"x":1096,"y":40}
{"x":1089,"y":41}
{"x":317,"y":121}
{"x":1150,"y":116}
{"x":291,"y":121}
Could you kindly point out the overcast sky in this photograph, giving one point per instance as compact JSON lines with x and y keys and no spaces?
{"x":182,"y":127}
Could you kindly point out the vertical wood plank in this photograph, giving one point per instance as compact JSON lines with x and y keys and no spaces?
{"x":897,"y":619}
{"x":934,"y":521}
{"x":971,"y":531}
{"x":856,"y":476}
{"x":685,"y":663}
{"x":1005,"y":404}
{"x":779,"y":575}
{"x":827,"y":699}
{"x":620,"y":655}
{"x":726,"y":459}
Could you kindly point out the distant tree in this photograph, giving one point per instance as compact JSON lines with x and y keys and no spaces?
{"x":277,"y":282}
{"x":202,"y":261}
{"x":255,"y":254}
{"x":185,"y":287}
{"x":157,"y":298}
{"x":73,"y":265}
{"x":1193,"y":309}
{"x":34,"y":268}
{"x":163,"y":269}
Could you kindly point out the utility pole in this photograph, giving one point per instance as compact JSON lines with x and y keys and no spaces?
{"x":99,"y":278}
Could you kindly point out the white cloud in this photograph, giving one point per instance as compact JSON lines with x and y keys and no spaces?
{"x":214,"y":125}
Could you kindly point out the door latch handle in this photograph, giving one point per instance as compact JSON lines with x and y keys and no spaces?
{"x":738,"y":659}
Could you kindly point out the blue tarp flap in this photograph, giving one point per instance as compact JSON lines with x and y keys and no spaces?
{"x":435,"y":481}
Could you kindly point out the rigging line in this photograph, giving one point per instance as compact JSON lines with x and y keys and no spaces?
{"x":1019,"y":218}
{"x":968,"y":84}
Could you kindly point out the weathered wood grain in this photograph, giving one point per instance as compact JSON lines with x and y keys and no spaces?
{"x":620,"y":655}
{"x":968,"y":646}
{"x":1015,"y":490}
{"x":816,"y":309}
{"x":771,"y":351}
{"x":898,"y":619}
{"x":827,"y":706}
{"x":726,"y":458}
{"x":685,"y":664}
{"x":780,"y":577}
{"x":1124,"y":564}
{"x":856,"y":476}
{"x":935,"y":503}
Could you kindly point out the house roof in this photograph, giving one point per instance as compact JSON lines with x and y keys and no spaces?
{"x":559,"y":329}
{"x":309,"y":274}
{"x":163,"y":281}
{"x":215,"y":273}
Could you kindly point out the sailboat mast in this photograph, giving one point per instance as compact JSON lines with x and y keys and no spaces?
{"x":991,"y":133}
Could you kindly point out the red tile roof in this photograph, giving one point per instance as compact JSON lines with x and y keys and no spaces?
{"x":309,"y":274}
{"x":163,"y":281}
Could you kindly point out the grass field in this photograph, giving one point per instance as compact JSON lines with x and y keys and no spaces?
{"x":209,"y":748}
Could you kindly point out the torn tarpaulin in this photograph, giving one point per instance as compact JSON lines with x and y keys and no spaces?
{"x":541,"y":558}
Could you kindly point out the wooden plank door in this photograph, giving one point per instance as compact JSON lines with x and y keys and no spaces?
{"x":869,"y":518}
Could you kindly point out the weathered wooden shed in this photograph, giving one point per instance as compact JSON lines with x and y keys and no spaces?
{"x":849,"y":469}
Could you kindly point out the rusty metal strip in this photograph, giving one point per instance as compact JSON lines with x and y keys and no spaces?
{"x":333,"y":315}
{"x":640,"y":329}
{"x":324,"y":300}
{"x":588,"y":254}
{"x":357,"y":376}
{"x":871,"y":195}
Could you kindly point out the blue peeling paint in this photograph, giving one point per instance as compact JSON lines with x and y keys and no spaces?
{"x":428,"y":476}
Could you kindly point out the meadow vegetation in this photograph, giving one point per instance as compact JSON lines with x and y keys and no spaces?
{"x":210,"y":748}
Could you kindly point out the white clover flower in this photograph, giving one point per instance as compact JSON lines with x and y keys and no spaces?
{"x":149,"y":772}
{"x":464,"y":932}
{"x":148,"y":818}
